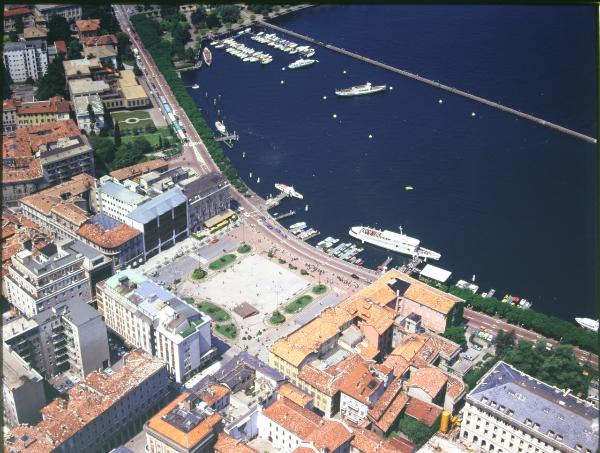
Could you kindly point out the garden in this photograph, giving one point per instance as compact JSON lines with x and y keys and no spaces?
{"x":222,"y":262}
{"x":298,"y":304}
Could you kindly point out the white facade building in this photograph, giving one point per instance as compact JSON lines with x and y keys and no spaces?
{"x":149,"y":317}
{"x":25,"y":60}
{"x":82,"y":114}
{"x":511,"y":412}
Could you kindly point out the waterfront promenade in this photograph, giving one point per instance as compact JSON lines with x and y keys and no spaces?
{"x":196,"y":155}
{"x":434,"y":83}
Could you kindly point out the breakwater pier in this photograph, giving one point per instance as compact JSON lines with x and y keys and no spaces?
{"x":434,"y":83}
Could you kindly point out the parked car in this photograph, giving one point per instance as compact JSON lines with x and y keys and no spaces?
{"x":468,"y":357}
{"x":355,"y":276}
{"x":214,"y":241}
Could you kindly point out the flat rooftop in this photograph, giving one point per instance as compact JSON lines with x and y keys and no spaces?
{"x":15,"y":371}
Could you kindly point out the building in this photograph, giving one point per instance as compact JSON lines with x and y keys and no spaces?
{"x":186,"y":425}
{"x":89,"y":68}
{"x":31,"y":33}
{"x":39,"y":279}
{"x":100,"y":413}
{"x":365,"y":441}
{"x":42,"y":112}
{"x":133,"y":172}
{"x":25,"y":60}
{"x":87,"y":27}
{"x":69,"y":336}
{"x":207,"y":196}
{"x":22,"y":389}
{"x":149,"y":317}
{"x":82,"y":105}
{"x":65,"y":212}
{"x":69,"y":12}
{"x":36,"y":157}
{"x":360,"y":389}
{"x":228,"y":444}
{"x":12,"y":12}
{"x":9,"y":115}
{"x":87,"y":86}
{"x":510,"y":411}
{"x":160,"y":216}
{"x":289,"y":426}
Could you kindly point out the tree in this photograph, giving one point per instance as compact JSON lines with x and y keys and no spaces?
{"x":143,"y":145}
{"x":92,"y":115}
{"x":58,"y":29}
{"x":124,"y":46}
{"x":53,"y":83}
{"x":7,"y":82}
{"x":190,"y":54}
{"x":19,"y":26}
{"x":13,"y":36}
{"x":417,"y":431}
{"x":198,"y":17}
{"x":136,"y":70}
{"x":74,"y":51}
{"x":213,"y":21}
{"x":127,"y":155}
{"x":505,"y":341}
{"x":456,"y":334}
{"x":228,"y":13}
{"x":108,"y":22}
{"x":104,"y":152}
{"x":167,"y":10}
{"x":117,"y":134}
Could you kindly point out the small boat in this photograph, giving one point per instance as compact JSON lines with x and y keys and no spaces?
{"x":301,"y":63}
{"x":408,"y":187}
{"x":195,"y":86}
{"x":207,"y":56}
{"x":587,"y":323}
{"x":221,"y":127}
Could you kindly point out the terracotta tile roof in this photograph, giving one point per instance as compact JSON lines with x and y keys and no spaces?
{"x":19,"y":11}
{"x":330,"y":435}
{"x":18,"y":150}
{"x":398,"y":364}
{"x":367,"y":350}
{"x":87,"y":400}
{"x":108,"y":239}
{"x":186,"y":440}
{"x":421,"y":350}
{"x":227,"y":444}
{"x":305,"y":450}
{"x":61,"y":46}
{"x":10,"y":104}
{"x":386,"y":399}
{"x":423,"y":411}
{"x":368,"y":442}
{"x":431,"y":380}
{"x":393,"y":412}
{"x":87,"y":24}
{"x":55,"y":104}
{"x":294,"y":394}
{"x":327,"y":381}
{"x":71,"y":213}
{"x":214,"y":393}
{"x":456,"y":388}
{"x":381,"y":318}
{"x":360,"y":384}
{"x":424,"y":294}
{"x":292,"y":417}
{"x":94,"y":41}
{"x":297,"y":346}
{"x":139,"y":169}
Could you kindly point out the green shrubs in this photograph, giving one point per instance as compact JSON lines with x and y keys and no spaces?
{"x":222,"y":262}
{"x":198,"y":274}
{"x":227,"y":330}
{"x":298,"y":304}
{"x":244,"y":248}
{"x":319,"y":289}
{"x":277,"y":318}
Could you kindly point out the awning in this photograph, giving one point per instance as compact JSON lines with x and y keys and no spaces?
{"x":436,"y":273}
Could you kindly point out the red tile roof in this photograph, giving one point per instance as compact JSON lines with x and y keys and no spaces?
{"x":292,"y":417}
{"x":227,"y":444}
{"x":104,"y":40}
{"x":360,"y":384}
{"x":423,"y":411}
{"x":61,"y":46}
{"x":18,"y":11}
{"x":429,"y":379}
{"x":87,"y":24}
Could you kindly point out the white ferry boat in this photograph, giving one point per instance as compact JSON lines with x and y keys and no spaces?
{"x":301,"y":63}
{"x":288,"y":190}
{"x":587,"y":323}
{"x":357,"y":90}
{"x":397,"y":242}
{"x":221,"y":127}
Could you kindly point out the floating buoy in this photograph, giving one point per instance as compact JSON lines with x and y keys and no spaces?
{"x":324,"y":97}
{"x":282,"y":82}
{"x":258,"y":180}
{"x":251,"y":174}
{"x":334,"y":115}
{"x":440,"y":101}
{"x":283,"y":69}
{"x":344,"y":71}
{"x":370,"y":136}
{"x":306,"y":208}
{"x":244,"y":155}
{"x":391,"y":88}
{"x":473,"y":114}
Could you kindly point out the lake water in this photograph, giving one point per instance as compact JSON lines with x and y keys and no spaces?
{"x":500,"y":197}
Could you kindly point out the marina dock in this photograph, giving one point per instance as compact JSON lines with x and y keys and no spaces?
{"x":285,"y":215}
{"x":274,"y":201}
{"x":434,"y":83}
{"x":228,"y":139}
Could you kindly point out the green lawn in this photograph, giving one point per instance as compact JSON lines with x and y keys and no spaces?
{"x":129,"y":121}
{"x":228,"y":330}
{"x":245,"y":248}
{"x":222,"y":262}
{"x":152,"y":137}
{"x":319,"y":289}
{"x":198,"y":274}
{"x":190,"y":330}
{"x":216,"y":313}
{"x":298,"y":304}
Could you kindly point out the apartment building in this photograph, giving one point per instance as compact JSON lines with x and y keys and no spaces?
{"x":186,"y":425}
{"x":42,"y":112}
{"x":65,"y":212}
{"x":9,"y":115}
{"x":147,"y":316}
{"x":102,"y":412}
{"x":56,"y":273}
{"x":12,"y":12}
{"x":207,"y":196}
{"x":360,"y":389}
{"x":510,"y":411}
{"x":87,"y":27}
{"x":69,"y":12}
{"x":82,"y":106}
{"x":161,"y":216}
{"x":69,"y":336}
{"x":22,"y":390}
{"x":35,"y":157}
{"x":25,"y":60}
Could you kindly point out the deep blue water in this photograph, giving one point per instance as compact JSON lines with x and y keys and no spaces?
{"x":500,"y":197}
